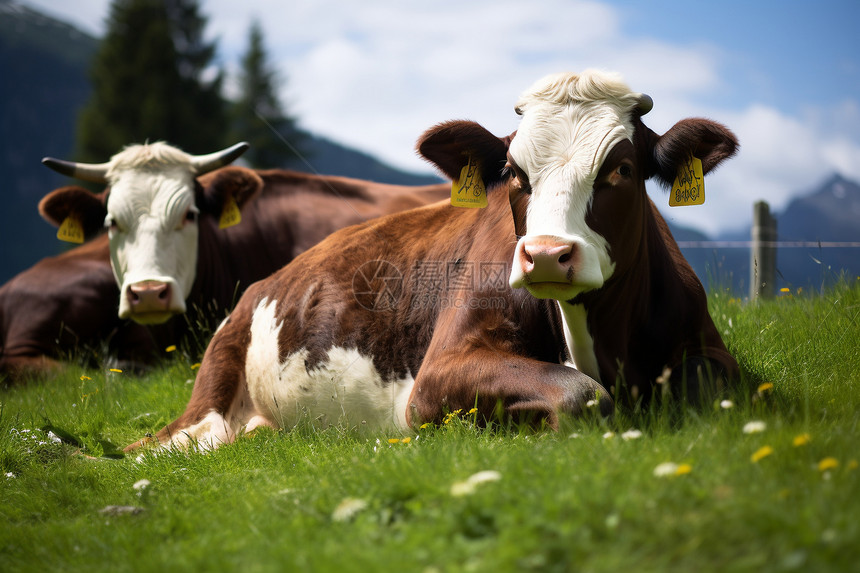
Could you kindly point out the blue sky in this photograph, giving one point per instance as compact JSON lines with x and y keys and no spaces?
{"x":785,"y":76}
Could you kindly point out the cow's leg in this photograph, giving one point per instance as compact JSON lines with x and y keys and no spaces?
{"x":526,"y":389}
{"x":698,"y":380}
{"x":17,"y":368}
{"x":219,"y":406}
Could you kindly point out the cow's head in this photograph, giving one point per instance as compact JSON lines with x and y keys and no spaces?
{"x":575,"y":173}
{"x":151,"y":209}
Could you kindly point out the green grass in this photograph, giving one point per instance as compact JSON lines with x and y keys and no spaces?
{"x":572,"y":500}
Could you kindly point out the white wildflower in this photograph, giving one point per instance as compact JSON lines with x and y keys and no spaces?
{"x":666,"y":469}
{"x":631,"y":434}
{"x":141,"y":484}
{"x":608,"y":435}
{"x":348,"y":508}
{"x":468,"y":486}
{"x":754,"y":427}
{"x":727,"y":404}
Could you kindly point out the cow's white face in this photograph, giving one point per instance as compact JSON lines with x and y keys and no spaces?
{"x":152,"y":221}
{"x":569,"y":125}
{"x":151,"y":217}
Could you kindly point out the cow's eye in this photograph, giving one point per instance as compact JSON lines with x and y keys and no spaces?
{"x":624,"y":170}
{"x":190,"y":217}
{"x":111,"y":224}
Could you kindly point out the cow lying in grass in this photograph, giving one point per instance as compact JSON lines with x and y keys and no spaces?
{"x":399,"y":320}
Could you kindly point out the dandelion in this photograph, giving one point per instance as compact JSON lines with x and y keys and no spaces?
{"x":765,"y":387}
{"x":425,"y":425}
{"x":348,"y":508}
{"x":631,"y":434}
{"x":195,"y":366}
{"x":117,"y":370}
{"x":727,"y":404}
{"x":85,"y":378}
{"x":393,"y":440}
{"x":761,"y":453}
{"x":785,"y":289}
{"x":405,"y":440}
{"x":683,"y":469}
{"x":473,"y":411}
{"x":754,"y":427}
{"x":171,"y":348}
{"x":800,"y":440}
{"x":469,"y":486}
{"x":828,"y":464}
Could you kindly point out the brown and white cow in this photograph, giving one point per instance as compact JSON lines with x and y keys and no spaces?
{"x":398,"y":320}
{"x":165,"y":231}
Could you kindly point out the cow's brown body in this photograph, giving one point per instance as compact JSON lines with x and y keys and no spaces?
{"x":70,"y":301}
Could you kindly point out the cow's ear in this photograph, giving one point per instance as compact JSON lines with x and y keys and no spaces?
{"x":711,"y":142}
{"x":237,"y":183}
{"x":85,"y":206}
{"x":449,"y":145}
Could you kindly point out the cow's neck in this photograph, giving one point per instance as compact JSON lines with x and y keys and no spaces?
{"x":580,"y":344}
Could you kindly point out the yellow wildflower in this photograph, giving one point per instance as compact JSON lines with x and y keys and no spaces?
{"x":195,"y":366}
{"x":761,"y":453}
{"x":683,"y":469}
{"x":425,"y":425}
{"x":405,"y":440}
{"x":170,"y":348}
{"x":765,"y":387}
{"x":828,"y":464}
{"x":785,"y":289}
{"x":801,"y":440}
{"x":85,"y":377}
{"x":393,"y":440}
{"x":117,"y":370}
{"x":473,"y":411}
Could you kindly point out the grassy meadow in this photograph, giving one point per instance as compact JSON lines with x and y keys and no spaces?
{"x":767,"y":480}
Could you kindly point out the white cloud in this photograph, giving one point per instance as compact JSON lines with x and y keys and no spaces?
{"x":376,"y":74}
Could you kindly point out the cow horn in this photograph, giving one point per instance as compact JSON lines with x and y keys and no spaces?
{"x":645,"y":104}
{"x":94,"y":172}
{"x":206,"y":163}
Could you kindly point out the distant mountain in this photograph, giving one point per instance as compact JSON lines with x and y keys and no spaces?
{"x":45,"y":64}
{"x":44,"y":83}
{"x":829,"y":213}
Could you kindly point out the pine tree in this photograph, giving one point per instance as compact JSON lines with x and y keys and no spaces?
{"x":147,"y":82}
{"x":257,"y":114}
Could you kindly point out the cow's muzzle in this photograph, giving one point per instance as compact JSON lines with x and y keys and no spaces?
{"x":544,"y":259}
{"x":149,"y":301}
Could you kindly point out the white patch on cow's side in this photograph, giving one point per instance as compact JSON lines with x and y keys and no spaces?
{"x":345,"y":389}
{"x":569,"y":124}
{"x":580,"y":345}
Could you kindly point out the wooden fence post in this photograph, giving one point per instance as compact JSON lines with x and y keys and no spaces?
{"x":763,"y":252}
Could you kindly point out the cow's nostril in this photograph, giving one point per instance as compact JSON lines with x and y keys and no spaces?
{"x":565,"y":258}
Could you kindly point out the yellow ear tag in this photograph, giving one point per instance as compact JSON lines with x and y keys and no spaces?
{"x":71,"y":230}
{"x":689,"y":185}
{"x":469,"y":190}
{"x":230,"y":214}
